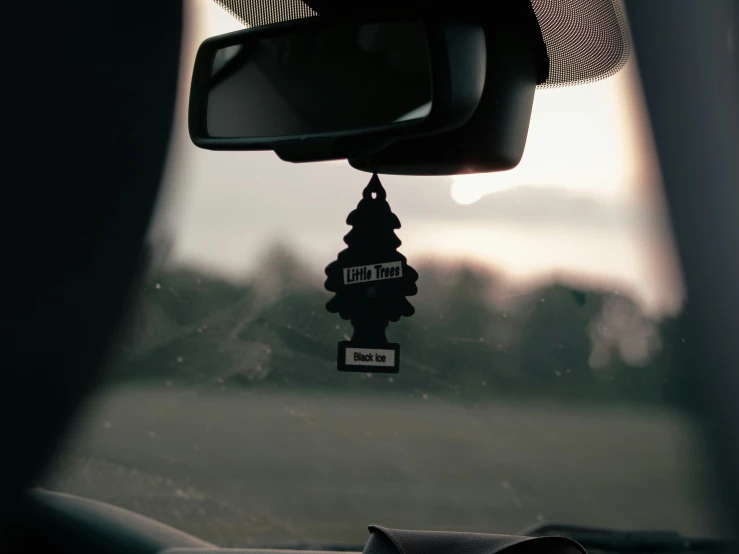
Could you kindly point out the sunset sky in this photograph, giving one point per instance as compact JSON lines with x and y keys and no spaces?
{"x":584,"y":205}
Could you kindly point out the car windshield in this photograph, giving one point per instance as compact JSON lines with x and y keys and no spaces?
{"x":541,"y":377}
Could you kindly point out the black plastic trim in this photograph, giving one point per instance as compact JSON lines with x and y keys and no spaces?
{"x":85,"y":525}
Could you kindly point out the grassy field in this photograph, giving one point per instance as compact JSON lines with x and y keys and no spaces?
{"x":246,"y":468}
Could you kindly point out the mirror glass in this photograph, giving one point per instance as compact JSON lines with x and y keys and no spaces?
{"x":323,"y":79}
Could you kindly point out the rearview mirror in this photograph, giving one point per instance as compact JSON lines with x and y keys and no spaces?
{"x":323,"y":88}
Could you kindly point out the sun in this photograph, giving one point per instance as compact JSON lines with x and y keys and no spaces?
{"x":587,"y":139}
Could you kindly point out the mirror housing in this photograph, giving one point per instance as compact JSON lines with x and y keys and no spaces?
{"x":457,"y":62}
{"x":494,"y":138}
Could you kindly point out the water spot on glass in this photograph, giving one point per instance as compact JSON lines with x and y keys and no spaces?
{"x":205,"y":327}
{"x":396,"y":434}
{"x":558,"y":373}
{"x":539,"y":517}
{"x":682,"y":340}
{"x":196,"y":446}
{"x":505,"y":315}
{"x":106,"y":424}
{"x":567,"y":370}
{"x":223,"y":388}
{"x":347,"y":337}
{"x":484,"y":383}
{"x":152,"y":434}
{"x":339,"y":326}
{"x":313,"y":313}
{"x":180,"y":359}
{"x":482,"y":339}
{"x":425,"y":396}
{"x":542,"y":300}
{"x":289,"y":326}
{"x":391,"y":380}
{"x":157,"y":286}
{"x":219,"y":380}
{"x":369,"y":376}
{"x":268,"y":350}
{"x":500,"y":346}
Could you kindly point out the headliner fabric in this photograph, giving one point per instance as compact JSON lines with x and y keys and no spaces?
{"x":587,"y":40}
{"x":254,"y":13}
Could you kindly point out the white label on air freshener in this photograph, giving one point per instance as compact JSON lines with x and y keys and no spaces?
{"x":375,"y":272}
{"x":376,"y":357}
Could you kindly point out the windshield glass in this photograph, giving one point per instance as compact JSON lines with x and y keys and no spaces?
{"x":541,"y":377}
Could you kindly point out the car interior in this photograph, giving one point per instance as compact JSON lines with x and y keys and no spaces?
{"x":395,"y":90}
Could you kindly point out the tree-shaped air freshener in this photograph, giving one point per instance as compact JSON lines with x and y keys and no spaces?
{"x":371,"y":280}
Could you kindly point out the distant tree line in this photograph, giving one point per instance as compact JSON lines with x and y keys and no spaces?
{"x":470,"y":338}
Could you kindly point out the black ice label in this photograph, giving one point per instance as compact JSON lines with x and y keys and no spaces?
{"x":374,"y":272}
{"x":366,"y":359}
{"x":374,"y":357}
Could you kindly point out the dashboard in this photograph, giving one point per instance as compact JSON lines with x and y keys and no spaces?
{"x":54,"y":522}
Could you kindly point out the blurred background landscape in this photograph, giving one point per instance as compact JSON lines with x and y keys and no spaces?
{"x":472,"y":337}
{"x":225,"y":415}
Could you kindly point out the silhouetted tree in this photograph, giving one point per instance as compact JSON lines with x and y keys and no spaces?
{"x":371,"y":304}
